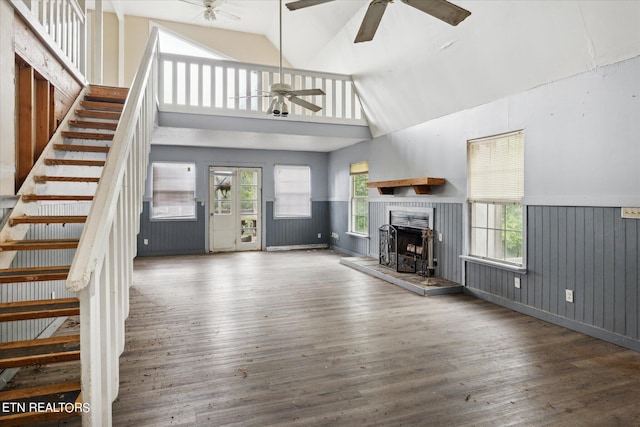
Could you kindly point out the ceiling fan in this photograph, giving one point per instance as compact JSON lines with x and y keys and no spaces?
{"x":281,"y":91}
{"x":212,"y":9}
{"x":441,"y":9}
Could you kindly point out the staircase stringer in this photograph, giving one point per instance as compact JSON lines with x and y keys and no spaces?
{"x":18,"y":232}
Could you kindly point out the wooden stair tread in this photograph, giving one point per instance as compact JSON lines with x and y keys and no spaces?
{"x":40,"y":351}
{"x":104,"y":98}
{"x":88,"y":148}
{"x":46,"y":219}
{"x":33,"y":274}
{"x":39,"y":309}
{"x":30,"y":245}
{"x":87,"y":124}
{"x":95,"y":114}
{"x":108,"y":91}
{"x":88,"y":135}
{"x":45,"y":178}
{"x":44,"y":390}
{"x":102,"y":106}
{"x":63,"y":393}
{"x":73,"y":162}
{"x":49,"y":197}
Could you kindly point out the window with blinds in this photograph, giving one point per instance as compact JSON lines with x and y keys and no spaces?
{"x":495,"y":191}
{"x":359,"y":206}
{"x":292,"y":191}
{"x":174,"y":191}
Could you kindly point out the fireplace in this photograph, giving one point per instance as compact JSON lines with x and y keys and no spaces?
{"x":406,"y":243}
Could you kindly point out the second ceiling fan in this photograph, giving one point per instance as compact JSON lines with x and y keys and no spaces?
{"x":281,"y":91}
{"x":441,"y":9}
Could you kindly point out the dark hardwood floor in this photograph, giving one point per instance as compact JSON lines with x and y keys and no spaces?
{"x":296,"y":339}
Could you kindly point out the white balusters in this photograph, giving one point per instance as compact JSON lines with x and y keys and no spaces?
{"x":61,"y":23}
{"x":102,"y":269}
{"x":212,"y":86}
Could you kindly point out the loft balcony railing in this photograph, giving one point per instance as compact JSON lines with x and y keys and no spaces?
{"x":61,"y":23}
{"x":219,"y":87}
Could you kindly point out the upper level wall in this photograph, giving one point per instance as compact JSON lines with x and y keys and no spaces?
{"x":243,"y":47}
{"x":581,"y":142}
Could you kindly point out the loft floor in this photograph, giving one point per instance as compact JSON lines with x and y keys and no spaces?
{"x":295,"y":338}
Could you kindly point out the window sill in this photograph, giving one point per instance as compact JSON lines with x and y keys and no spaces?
{"x":278,"y":218}
{"x":359,"y":236}
{"x":190,"y":219}
{"x":497,"y":264}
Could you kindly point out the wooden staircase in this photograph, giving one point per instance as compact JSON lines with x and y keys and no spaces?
{"x":70,"y":173}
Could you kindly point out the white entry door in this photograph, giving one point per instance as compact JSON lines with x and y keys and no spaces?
{"x":235,"y":216}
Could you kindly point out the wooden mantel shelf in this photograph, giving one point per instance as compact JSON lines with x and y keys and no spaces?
{"x":420,"y":185}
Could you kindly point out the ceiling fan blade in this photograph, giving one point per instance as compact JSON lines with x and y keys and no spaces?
{"x":250,"y":96}
{"x":441,"y":9}
{"x":193,"y":2}
{"x":272,"y":105}
{"x":304,"y":104}
{"x":371,"y":20}
{"x":306,"y":92}
{"x":295,"y":5}
{"x":227,"y":15}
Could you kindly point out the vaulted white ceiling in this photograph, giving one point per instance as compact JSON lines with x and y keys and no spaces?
{"x":418,"y":68}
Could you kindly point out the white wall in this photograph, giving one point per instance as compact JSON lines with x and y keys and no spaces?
{"x":582,"y":142}
{"x":418,"y":69}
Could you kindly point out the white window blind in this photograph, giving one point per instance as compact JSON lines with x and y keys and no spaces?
{"x":496,"y":168}
{"x":292,"y":191}
{"x":174,"y":190}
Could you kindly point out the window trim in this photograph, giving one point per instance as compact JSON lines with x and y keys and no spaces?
{"x":275,"y":193}
{"x":358,"y":168}
{"x":494,"y":262}
{"x":505,"y":265}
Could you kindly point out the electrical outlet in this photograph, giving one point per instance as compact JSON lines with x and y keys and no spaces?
{"x":633,"y":213}
{"x":516,"y":282}
{"x":53,"y":295}
{"x":319,"y":235}
{"x":145,"y":241}
{"x":335,"y":235}
{"x":440,"y":237}
{"x":568,"y":295}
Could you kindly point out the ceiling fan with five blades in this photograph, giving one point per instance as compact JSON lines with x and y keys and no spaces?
{"x":441,"y":9}
{"x":282,"y":91}
{"x":212,"y":9}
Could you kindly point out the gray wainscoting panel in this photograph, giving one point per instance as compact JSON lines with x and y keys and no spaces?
{"x":172,"y":237}
{"x":292,"y":231}
{"x":448,"y":222}
{"x":340,"y":225}
{"x":590,"y":250}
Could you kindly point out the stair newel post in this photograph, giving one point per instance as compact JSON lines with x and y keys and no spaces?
{"x":91,"y":354}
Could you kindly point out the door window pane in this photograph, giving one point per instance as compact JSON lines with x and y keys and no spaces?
{"x":222,"y":193}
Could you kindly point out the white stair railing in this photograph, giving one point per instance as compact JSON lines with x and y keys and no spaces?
{"x":199,"y":85}
{"x":61,"y":23}
{"x":102,"y":269}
